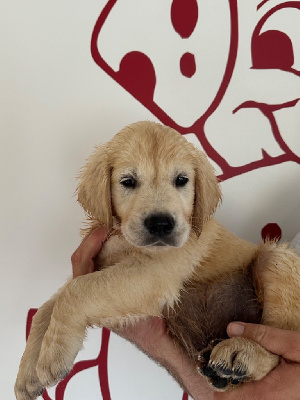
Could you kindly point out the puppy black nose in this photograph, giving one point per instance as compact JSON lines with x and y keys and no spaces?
{"x":160,"y":224}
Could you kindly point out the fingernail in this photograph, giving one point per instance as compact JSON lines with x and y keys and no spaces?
{"x":236,"y":329}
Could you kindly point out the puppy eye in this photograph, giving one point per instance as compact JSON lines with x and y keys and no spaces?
{"x":128,"y":182}
{"x":181,"y":181}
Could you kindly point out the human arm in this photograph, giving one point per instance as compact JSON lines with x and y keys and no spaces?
{"x":151,"y":337}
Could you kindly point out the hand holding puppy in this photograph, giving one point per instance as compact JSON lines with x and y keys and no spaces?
{"x":281,"y":383}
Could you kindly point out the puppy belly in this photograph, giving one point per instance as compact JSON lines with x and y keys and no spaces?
{"x":206,"y":308}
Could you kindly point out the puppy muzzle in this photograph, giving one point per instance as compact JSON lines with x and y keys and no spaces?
{"x":160,"y":229}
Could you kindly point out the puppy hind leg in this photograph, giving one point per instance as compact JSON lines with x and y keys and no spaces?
{"x":277,"y":274}
{"x":232,"y":361}
{"x":277,"y":277}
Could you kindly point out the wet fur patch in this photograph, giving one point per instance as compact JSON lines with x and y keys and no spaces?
{"x":206,"y":308}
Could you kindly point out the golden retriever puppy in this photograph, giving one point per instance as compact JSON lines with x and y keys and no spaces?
{"x":165,"y":256}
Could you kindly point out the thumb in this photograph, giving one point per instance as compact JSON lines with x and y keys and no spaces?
{"x":278,"y":341}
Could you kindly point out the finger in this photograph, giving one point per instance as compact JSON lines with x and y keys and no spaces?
{"x":278,"y":341}
{"x":93,"y":243}
{"x":82,"y":258}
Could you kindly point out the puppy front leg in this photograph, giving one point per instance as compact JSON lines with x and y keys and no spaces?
{"x":28,"y":386}
{"x":104,"y":298}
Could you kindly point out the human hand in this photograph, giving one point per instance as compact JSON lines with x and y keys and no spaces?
{"x":149,"y":334}
{"x":284,"y":381}
{"x":83,"y":258}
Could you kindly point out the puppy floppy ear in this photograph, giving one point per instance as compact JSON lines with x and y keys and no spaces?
{"x":207,"y":191}
{"x":93,"y":190}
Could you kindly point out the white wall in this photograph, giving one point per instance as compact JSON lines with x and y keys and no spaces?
{"x":57,"y":104}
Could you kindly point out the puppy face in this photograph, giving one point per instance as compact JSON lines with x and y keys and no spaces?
{"x":154,"y":182}
{"x":154,"y":200}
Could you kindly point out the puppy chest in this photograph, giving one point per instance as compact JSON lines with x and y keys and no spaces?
{"x":205,"y":309}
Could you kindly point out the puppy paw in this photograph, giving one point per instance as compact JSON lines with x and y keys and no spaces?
{"x":53,"y":365}
{"x":28,"y":386}
{"x":229,"y":362}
